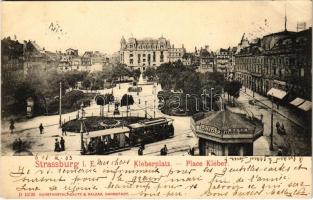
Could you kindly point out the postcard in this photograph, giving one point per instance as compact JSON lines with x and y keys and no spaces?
{"x":156,"y":99}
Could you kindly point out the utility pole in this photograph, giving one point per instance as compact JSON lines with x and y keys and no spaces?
{"x":145,"y":109}
{"x":272,"y":113}
{"x":82,"y":147}
{"x":60,"y":106}
{"x":154,"y":91}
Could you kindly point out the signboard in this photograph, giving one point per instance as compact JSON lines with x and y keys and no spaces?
{"x":213,"y":130}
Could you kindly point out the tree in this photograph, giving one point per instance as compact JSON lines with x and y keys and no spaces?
{"x":233,"y":89}
{"x":86,"y":83}
{"x":100,"y":100}
{"x":127,"y":100}
{"x":150,"y":73}
{"x":136,"y":73}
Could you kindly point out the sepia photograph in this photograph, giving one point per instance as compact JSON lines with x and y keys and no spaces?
{"x":178,"y":78}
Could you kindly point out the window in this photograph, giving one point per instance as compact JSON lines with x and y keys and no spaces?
{"x":149,"y":58}
{"x":143,"y":60}
{"x":292,"y":61}
{"x":131,"y":61}
{"x":153,"y":57}
{"x":131,"y":55}
{"x":302,"y":72}
{"x":161,"y":57}
{"x":144,"y":55}
{"x":139,"y":56}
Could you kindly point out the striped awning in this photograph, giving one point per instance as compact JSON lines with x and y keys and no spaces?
{"x":297,"y":101}
{"x":306,"y":106}
{"x":277,"y":93}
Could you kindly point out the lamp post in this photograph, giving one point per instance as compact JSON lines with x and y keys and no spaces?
{"x":81,"y":118}
{"x":154,"y":91}
{"x":146,"y":109}
{"x":211,"y":107}
{"x":272,"y":113}
{"x":60,"y":106}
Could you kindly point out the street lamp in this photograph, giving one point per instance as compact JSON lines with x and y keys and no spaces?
{"x":146,"y":109}
{"x":60,"y":106}
{"x":271,"y":145}
{"x":81,"y":118}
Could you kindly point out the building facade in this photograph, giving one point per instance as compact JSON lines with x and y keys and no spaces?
{"x":144,"y":53}
{"x":223,"y":57}
{"x":280,"y":60}
{"x":37,"y":59}
{"x":176,"y":54}
{"x":207,"y":61}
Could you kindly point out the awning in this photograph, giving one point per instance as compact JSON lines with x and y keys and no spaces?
{"x":280,"y":94}
{"x":306,"y":106}
{"x":297,"y":101}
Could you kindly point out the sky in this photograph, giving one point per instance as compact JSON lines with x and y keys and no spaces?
{"x":100,"y":25}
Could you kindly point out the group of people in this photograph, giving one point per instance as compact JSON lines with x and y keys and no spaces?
{"x":101,"y":145}
{"x":59,"y":146}
{"x":280,"y":128}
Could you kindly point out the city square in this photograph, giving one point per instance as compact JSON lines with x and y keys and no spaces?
{"x":247,"y":94}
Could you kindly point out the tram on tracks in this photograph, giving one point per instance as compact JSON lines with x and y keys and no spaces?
{"x":118,"y":139}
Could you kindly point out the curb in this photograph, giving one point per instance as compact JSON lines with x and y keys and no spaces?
{"x":293,"y":121}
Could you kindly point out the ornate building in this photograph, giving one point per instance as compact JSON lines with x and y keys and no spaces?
{"x":144,"y":53}
{"x":280,"y":60}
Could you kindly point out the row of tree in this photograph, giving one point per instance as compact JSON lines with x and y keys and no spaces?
{"x":178,"y":77}
{"x":43,"y":87}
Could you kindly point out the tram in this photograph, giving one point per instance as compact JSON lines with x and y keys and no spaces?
{"x":118,"y":139}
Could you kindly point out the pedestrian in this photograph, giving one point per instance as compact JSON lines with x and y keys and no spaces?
{"x":164,"y":151}
{"x":56,"y":146}
{"x":19,"y":144}
{"x":142,"y":146}
{"x":280,"y":152}
{"x":15,"y":144}
{"x":140,"y":151}
{"x":62,"y":144}
{"x":192,"y":151}
{"x":63,"y":130}
{"x":12,"y":125}
{"x":277,"y":125}
{"x":41,"y":128}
